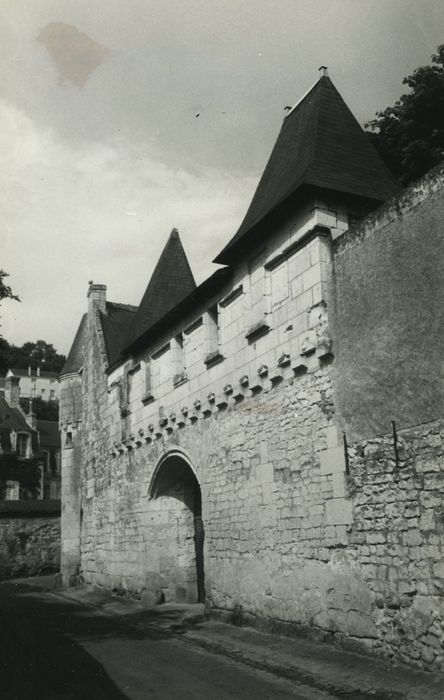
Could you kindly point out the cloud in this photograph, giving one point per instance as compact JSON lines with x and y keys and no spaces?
{"x":73,"y":212}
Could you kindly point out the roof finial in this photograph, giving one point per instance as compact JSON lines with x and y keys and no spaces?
{"x":323,"y":71}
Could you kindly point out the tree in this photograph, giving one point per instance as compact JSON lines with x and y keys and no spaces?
{"x":410,"y":135}
{"x":44,"y":410}
{"x":5,"y":290}
{"x":34,"y":354}
{"x":42,"y":354}
{"x":26,"y":471}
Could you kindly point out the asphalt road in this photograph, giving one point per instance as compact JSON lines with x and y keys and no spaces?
{"x":54,"y":648}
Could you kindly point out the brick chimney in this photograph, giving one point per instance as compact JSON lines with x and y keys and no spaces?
{"x":12,"y":391}
{"x":96,"y":297}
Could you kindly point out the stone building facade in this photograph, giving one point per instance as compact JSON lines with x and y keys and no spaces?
{"x":209,"y":451}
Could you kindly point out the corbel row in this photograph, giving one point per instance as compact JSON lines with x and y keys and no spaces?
{"x":264,"y":380}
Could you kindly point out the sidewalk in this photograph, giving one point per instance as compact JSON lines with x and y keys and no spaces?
{"x":321,"y":666}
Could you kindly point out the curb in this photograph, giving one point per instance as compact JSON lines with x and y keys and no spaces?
{"x":261,"y":657}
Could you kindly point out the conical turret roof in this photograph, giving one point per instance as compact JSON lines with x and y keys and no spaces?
{"x":320,"y":144}
{"x":171,"y":281}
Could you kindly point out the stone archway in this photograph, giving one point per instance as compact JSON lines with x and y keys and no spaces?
{"x":177,"y":501}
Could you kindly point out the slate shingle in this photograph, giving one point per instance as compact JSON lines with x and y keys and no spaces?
{"x":171,"y":281}
{"x":320,"y":144}
{"x":115,"y":325}
{"x":74,"y":361}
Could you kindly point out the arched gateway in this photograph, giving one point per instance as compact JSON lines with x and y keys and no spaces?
{"x":177,"y":502}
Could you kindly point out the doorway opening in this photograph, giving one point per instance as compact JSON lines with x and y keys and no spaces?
{"x":179,"y":536}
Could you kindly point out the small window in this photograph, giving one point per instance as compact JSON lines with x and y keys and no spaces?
{"x":177,"y":360}
{"x":52,"y":394}
{"x":22,"y":445}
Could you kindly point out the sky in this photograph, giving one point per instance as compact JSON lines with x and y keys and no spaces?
{"x":121,"y":120}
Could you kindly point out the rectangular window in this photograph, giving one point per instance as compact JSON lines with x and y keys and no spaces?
{"x":123,"y":395}
{"x":178,"y":360}
{"x":54,"y":490}
{"x":12,"y":491}
{"x":213,"y":354}
{"x":52,"y":394}
{"x":147,"y":395}
{"x":22,"y":445}
{"x":160,"y":368}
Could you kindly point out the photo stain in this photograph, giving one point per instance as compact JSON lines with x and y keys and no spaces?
{"x":75,"y":55}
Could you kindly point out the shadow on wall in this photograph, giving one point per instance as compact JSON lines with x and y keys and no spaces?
{"x":388,"y":317}
{"x":177,"y":535}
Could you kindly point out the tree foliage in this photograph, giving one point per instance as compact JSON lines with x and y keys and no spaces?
{"x":410,"y":135}
{"x":44,"y":410}
{"x":35,"y":354}
{"x":5,"y":290}
{"x":25,"y":471}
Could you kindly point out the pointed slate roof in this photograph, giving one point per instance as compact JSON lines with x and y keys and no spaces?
{"x":12,"y":418}
{"x":171,"y":281}
{"x":320,"y":144}
{"x":74,"y":361}
{"x":116,"y":323}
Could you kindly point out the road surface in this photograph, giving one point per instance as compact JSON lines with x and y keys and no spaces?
{"x":51,"y":648}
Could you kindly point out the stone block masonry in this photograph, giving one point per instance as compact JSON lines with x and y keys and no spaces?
{"x":29,"y":538}
{"x":233,"y":420}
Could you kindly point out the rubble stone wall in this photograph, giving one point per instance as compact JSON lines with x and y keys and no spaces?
{"x":397,"y":537}
{"x":29,"y":544}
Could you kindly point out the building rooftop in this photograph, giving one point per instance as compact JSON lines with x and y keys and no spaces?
{"x":116,"y":323}
{"x":74,"y":361}
{"x":171,"y":281}
{"x":42,"y":373}
{"x":12,"y":418}
{"x":322,"y":145}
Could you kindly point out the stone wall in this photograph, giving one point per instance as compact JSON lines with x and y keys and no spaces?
{"x":71,"y":408}
{"x":388,"y":315}
{"x":397,"y":539}
{"x":29,"y":538}
{"x":301,"y":530}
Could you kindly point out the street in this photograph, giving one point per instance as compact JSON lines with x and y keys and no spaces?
{"x":54,"y":648}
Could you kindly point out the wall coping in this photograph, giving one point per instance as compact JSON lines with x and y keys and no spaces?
{"x":393,"y":209}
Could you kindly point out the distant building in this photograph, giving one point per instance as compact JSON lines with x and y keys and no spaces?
{"x":36,"y":382}
{"x":26,"y":437}
{"x":49,"y":441}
